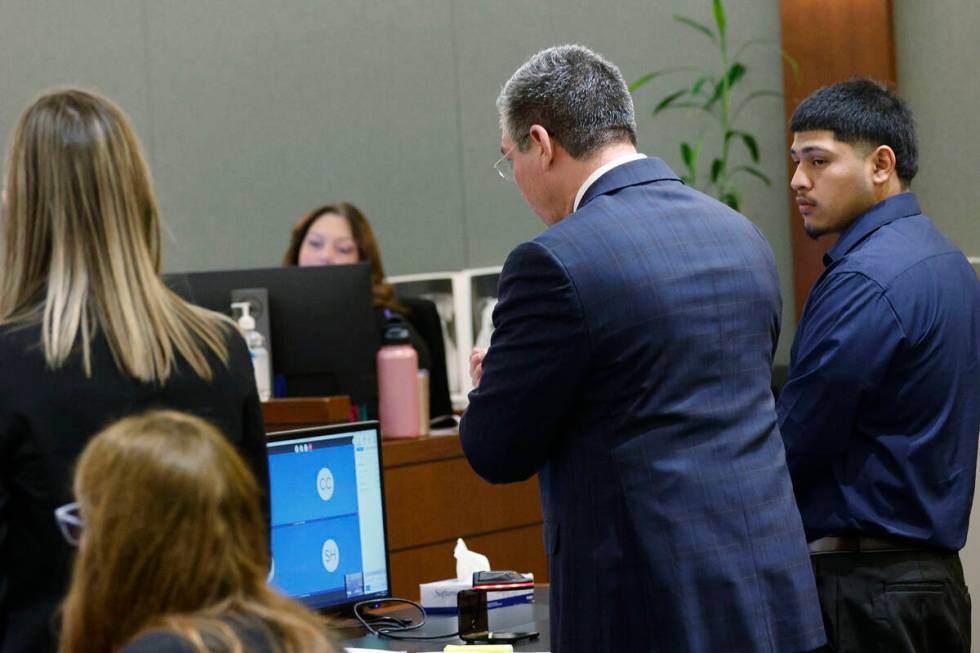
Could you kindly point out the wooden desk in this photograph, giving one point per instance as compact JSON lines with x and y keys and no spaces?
{"x":432,"y":496}
{"x":298,"y":412}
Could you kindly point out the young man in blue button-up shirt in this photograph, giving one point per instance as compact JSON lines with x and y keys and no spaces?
{"x":881,"y":410}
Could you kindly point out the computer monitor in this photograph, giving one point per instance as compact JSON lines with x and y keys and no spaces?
{"x":329,"y":546}
{"x":324,"y":330}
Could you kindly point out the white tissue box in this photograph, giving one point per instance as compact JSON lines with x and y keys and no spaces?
{"x":440,"y":597}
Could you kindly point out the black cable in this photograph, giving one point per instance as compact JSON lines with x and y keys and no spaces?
{"x":391,"y":621}
{"x":393,"y":632}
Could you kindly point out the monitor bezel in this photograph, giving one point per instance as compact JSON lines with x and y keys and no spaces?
{"x":309,"y":308}
{"x":335,"y":429}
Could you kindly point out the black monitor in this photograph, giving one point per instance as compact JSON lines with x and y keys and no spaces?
{"x":323,"y":326}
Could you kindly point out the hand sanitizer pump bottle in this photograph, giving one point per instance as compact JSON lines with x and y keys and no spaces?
{"x":256,"y":350}
{"x":398,"y":378}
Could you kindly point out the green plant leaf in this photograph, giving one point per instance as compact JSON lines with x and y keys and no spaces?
{"x":794,"y":65}
{"x":730,"y":198}
{"x":748,"y":44}
{"x":715,"y":96}
{"x":717,"y":168}
{"x":720,"y":18}
{"x":667,"y":101}
{"x":699,"y":84}
{"x":693,"y":24}
{"x":687,"y":156}
{"x":687,"y":153}
{"x":649,"y":77}
{"x":752,"y":146}
{"x":754,"y":172}
{"x":735,"y":72}
{"x":754,"y":95}
{"x":750,"y":143}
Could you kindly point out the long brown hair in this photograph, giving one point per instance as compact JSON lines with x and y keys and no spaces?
{"x":174,"y":539}
{"x":81,"y":246}
{"x":367,"y":248}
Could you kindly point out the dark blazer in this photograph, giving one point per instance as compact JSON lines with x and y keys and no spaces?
{"x":46,"y":419}
{"x":630,"y":368}
{"x":255,"y":639}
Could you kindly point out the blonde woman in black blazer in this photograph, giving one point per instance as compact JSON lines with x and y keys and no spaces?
{"x":89,"y":333}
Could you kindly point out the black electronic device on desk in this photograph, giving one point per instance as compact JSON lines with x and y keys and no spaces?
{"x":323,"y":328}
{"x":500,"y":581}
{"x":472,"y":608}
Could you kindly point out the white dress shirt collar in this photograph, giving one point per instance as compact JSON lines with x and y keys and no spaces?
{"x":601,"y":171}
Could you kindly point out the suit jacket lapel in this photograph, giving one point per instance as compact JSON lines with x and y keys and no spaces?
{"x":641,"y":171}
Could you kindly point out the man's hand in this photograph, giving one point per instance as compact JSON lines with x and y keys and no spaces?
{"x":476,"y":365}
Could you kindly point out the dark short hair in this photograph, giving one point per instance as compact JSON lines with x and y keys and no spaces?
{"x":577,"y":95}
{"x":863,"y":111}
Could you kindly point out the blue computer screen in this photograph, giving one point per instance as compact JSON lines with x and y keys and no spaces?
{"x":328,"y":539}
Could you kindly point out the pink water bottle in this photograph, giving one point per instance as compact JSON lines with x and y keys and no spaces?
{"x":398,"y":389}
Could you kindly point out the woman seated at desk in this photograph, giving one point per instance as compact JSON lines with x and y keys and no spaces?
{"x":339,"y":234}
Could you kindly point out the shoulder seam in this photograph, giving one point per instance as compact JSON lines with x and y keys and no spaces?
{"x":882,"y":293}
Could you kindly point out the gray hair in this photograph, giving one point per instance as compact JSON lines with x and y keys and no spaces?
{"x":574,"y":93}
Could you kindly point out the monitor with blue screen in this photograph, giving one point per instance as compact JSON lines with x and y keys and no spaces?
{"x":329,"y":546}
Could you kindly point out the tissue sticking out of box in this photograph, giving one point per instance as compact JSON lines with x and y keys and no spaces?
{"x":468,"y":562}
{"x":439,"y":597}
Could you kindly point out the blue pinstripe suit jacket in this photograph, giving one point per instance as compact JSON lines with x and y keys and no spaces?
{"x":630,"y":368}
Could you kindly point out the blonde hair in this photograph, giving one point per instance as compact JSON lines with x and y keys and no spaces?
{"x":174,"y":540}
{"x":82,"y":244}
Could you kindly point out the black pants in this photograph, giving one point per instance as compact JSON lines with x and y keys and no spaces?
{"x":893,"y":602}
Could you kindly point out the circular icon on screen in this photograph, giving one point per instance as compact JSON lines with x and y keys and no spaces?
{"x":331,"y":556}
{"x":324,"y":484}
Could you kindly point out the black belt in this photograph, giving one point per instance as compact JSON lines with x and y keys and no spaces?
{"x":863,"y":544}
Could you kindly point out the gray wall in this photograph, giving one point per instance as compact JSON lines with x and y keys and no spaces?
{"x":253,"y":111}
{"x":937,"y":53}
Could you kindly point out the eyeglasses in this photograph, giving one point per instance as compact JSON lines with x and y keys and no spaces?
{"x":505,"y":165}
{"x":70,"y":522}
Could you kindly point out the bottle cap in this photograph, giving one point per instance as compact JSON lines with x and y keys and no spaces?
{"x":396,"y":331}
{"x":246,"y":321}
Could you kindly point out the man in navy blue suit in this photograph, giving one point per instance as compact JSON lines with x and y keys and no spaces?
{"x":630,"y":369}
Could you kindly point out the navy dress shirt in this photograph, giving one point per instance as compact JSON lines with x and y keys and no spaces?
{"x":881,"y":410}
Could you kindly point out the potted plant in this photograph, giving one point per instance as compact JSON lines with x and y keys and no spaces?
{"x":720,"y":93}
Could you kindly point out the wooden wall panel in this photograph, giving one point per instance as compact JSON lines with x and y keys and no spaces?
{"x":432,"y":497}
{"x":445,"y":499}
{"x":833,"y":40}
